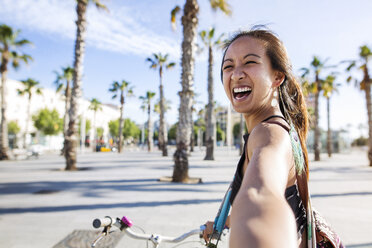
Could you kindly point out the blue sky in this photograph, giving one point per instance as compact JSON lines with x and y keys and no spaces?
{"x":119,"y":42}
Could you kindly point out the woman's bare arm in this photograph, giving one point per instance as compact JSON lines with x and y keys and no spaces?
{"x":260,"y":216}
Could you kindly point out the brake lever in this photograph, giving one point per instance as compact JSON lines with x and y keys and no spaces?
{"x":104,"y":233}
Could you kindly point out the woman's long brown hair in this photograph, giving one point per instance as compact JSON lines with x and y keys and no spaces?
{"x":291,"y":100}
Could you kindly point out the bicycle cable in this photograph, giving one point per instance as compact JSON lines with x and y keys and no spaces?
{"x":143,"y":231}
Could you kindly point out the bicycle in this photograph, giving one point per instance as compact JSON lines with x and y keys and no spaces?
{"x":125,"y":225}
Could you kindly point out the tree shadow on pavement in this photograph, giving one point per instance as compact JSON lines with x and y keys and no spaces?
{"x":357,"y":169}
{"x":106,"y":206}
{"x":341,"y":194}
{"x":94,"y":188}
{"x":359,"y":245}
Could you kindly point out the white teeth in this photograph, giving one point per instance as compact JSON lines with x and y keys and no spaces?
{"x":242,"y":89}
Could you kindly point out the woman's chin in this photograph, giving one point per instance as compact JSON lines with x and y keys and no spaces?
{"x":240,"y":109}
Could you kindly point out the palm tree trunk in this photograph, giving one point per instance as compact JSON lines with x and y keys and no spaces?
{"x":65,"y":117}
{"x":72,"y":134}
{"x":94,"y":141}
{"x":163,"y":139}
{"x":369,"y":112}
{"x":149,"y":126}
{"x":27,"y":121}
{"x":121,"y":122}
{"x":210,"y":116}
{"x":189,"y":23}
{"x":192,"y":139}
{"x":329,"y":133}
{"x":4,"y":142}
{"x":316,"y":124}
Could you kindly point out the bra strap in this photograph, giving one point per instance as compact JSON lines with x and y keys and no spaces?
{"x":280,"y":124}
{"x":277,"y":122}
{"x":274,"y":116}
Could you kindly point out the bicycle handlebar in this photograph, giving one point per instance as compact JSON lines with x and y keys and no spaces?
{"x":106,"y":221}
{"x":125,"y":224}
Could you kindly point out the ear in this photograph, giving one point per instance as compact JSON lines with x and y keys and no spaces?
{"x":278,"y":78}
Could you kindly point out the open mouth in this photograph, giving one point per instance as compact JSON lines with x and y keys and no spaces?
{"x":241,"y":92}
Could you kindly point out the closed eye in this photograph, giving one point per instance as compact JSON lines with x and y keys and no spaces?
{"x":227,"y":67}
{"x":250,"y":62}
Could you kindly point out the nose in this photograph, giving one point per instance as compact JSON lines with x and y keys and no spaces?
{"x":237,"y":74}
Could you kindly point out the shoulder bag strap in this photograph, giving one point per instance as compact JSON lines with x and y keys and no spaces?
{"x":303,"y":188}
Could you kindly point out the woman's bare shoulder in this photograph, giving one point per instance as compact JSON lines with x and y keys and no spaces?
{"x":268,"y":134}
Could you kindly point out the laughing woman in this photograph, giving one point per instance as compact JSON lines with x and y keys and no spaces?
{"x":267,"y":210}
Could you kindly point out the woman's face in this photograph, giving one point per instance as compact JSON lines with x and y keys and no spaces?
{"x":247,"y":76}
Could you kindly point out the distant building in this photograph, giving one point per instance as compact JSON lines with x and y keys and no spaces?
{"x":17,"y":111}
{"x":341,"y":141}
{"x":222,"y":119}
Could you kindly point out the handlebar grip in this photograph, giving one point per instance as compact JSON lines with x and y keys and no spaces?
{"x":97,"y":223}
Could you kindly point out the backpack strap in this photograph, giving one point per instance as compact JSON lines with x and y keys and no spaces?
{"x":303,"y":187}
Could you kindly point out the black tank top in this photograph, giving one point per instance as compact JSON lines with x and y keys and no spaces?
{"x":291,"y":193}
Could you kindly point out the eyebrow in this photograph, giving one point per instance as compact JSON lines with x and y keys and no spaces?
{"x":249,"y":54}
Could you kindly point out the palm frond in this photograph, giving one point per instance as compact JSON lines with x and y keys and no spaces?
{"x":211,"y":33}
{"x":305,"y":72}
{"x":157,"y":56}
{"x":15,"y":63}
{"x":219,"y":40}
{"x":100,"y":5}
{"x":153,"y":64}
{"x":39,"y":91}
{"x":202,"y":35}
{"x":23,"y":42}
{"x":365,"y":52}
{"x":150,"y":94}
{"x":349,"y":78}
{"x":174,"y":13}
{"x":130,"y":92}
{"x":26,"y":58}
{"x":170,"y":65}
{"x":59,"y":87}
{"x":351,"y":66}
{"x":20,"y":92}
{"x":221,"y":5}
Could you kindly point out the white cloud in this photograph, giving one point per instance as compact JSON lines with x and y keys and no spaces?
{"x":117,"y":31}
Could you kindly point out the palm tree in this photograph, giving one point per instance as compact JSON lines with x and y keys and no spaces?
{"x":143,"y":108}
{"x":193,"y":110}
{"x":9,"y":46}
{"x":30,"y":86}
{"x":146,"y":102}
{"x":63,"y":82}
{"x":125,"y":91}
{"x":329,"y":87}
{"x":208,"y":39}
{"x":192,"y":137}
{"x":189,"y":23}
{"x":167,"y":106}
{"x":200,"y":123}
{"x":95,"y":105}
{"x":364,"y":85}
{"x":160,"y":61}
{"x":71,"y":139}
{"x":316,"y":86}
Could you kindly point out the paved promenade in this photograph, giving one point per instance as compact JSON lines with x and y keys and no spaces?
{"x":40,"y":205}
